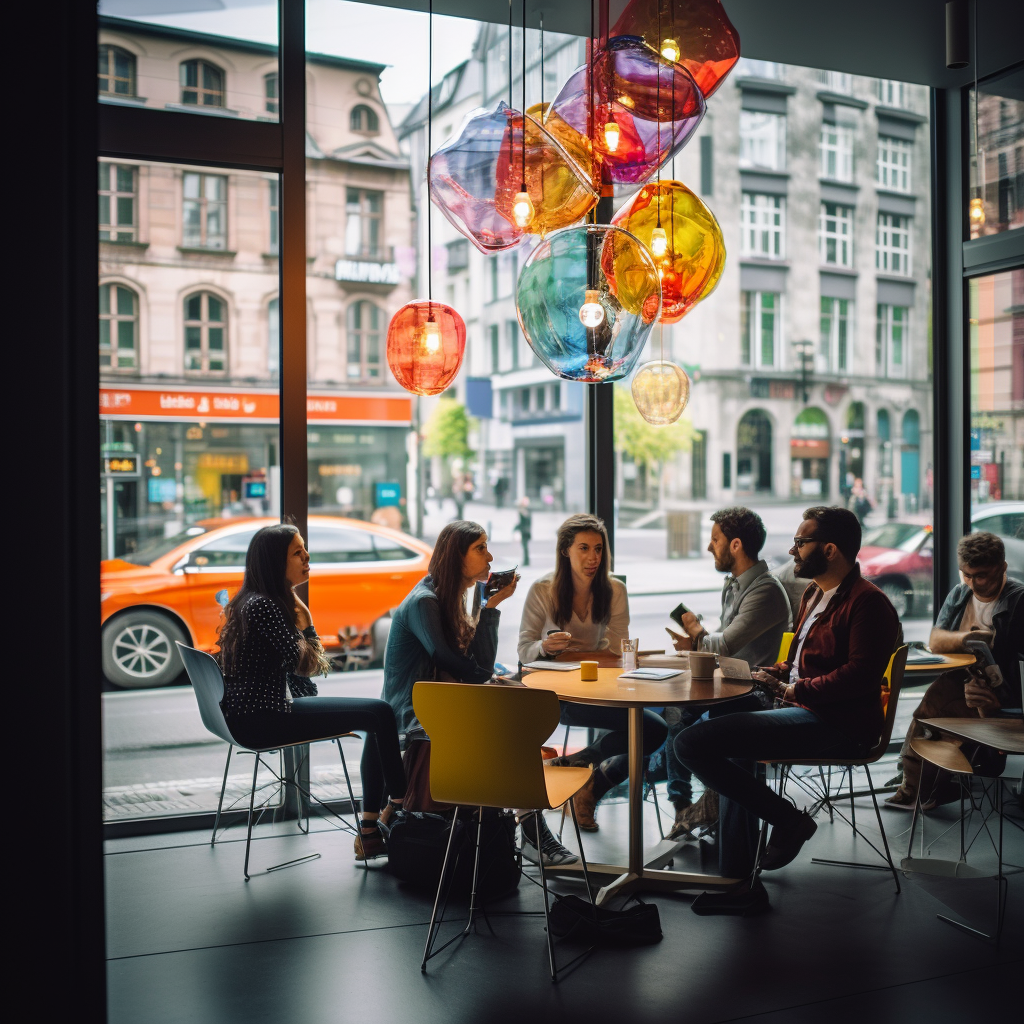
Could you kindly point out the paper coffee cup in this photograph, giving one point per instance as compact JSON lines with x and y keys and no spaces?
{"x":702,"y":665}
{"x":588,"y":671}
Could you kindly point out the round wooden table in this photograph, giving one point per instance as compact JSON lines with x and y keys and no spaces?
{"x":634,"y":695}
{"x":918,"y":675}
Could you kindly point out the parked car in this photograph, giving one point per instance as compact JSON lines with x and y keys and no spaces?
{"x":1006,"y":520}
{"x":174,"y":589}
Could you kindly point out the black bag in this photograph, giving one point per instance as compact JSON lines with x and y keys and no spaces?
{"x":573,"y":917}
{"x":417,"y":843}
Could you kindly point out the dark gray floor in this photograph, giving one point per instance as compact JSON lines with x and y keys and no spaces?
{"x":188,"y":940}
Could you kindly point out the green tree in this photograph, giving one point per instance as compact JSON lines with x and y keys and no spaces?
{"x":446,"y":433}
{"x":644,"y":443}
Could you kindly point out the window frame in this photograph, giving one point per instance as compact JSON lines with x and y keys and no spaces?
{"x":756,"y":226}
{"x":889,"y":255}
{"x":890,"y":174}
{"x":752,"y":337}
{"x":886,"y":326}
{"x":203,"y":204}
{"x":837,"y":151}
{"x":842,"y":239}
{"x":372,"y":120}
{"x":364,"y":217}
{"x":112,"y":50}
{"x":271,"y":93}
{"x":201,"y":64}
{"x":115,"y":196}
{"x":117,"y":318}
{"x":363,"y":337}
{"x":836,"y":337}
{"x":751,"y":141}
{"x":205,"y":323}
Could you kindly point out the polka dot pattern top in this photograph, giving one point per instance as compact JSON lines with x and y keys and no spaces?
{"x":262,"y":673}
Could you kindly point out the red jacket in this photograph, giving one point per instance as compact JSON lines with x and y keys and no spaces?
{"x":845,"y":656}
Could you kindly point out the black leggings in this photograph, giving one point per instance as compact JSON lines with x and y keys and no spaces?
{"x":615,"y":743}
{"x":314,"y":718}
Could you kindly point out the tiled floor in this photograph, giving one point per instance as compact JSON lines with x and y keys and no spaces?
{"x":189,"y":941}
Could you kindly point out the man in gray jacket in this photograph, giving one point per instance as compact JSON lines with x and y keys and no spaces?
{"x":755,"y":614}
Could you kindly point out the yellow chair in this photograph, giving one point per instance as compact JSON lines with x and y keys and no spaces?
{"x":787,"y":642}
{"x":485,"y":752}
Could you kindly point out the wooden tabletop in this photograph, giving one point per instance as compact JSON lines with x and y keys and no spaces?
{"x":948,"y":661}
{"x":1005,"y":734}
{"x":610,"y":691}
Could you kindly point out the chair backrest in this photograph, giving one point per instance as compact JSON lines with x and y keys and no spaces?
{"x":787,"y":641}
{"x":485,"y":742}
{"x":208,"y":684}
{"x":894,"y":680}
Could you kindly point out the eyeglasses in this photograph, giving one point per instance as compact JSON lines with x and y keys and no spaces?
{"x":799,"y":542}
{"x":980,"y":574}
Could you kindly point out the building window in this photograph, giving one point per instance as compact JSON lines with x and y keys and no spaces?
{"x":364,"y":338}
{"x":760,"y":326}
{"x":270,"y":92}
{"x":512,"y":334}
{"x":364,"y":119}
{"x":119,"y":321}
{"x":891,"y":93}
{"x":495,"y":348}
{"x":273,"y":338}
{"x":763,"y":226}
{"x":836,"y":152}
{"x":275,"y":213}
{"x":707,"y":165}
{"x":555,"y":401}
{"x":116,"y":72}
{"x":202,"y":84}
{"x":117,"y":203}
{"x":205,"y":334}
{"x":835,"y":334}
{"x":835,"y":81}
{"x":494,"y":278}
{"x":749,"y":68}
{"x":893,"y":168}
{"x":363,"y":210}
{"x":762,"y":140}
{"x":892,"y":245}
{"x":891,"y":340}
{"x":205,"y":211}
{"x":835,"y":234}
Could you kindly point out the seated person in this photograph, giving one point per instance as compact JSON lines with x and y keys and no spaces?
{"x":584,"y":609}
{"x":268,"y":651}
{"x":987,"y":606}
{"x":831,"y":684}
{"x":755,"y":614}
{"x":432,"y":637}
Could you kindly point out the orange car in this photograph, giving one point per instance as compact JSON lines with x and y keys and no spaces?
{"x":174,"y":589}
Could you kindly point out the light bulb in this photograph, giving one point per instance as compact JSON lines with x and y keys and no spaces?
{"x":430,"y":337}
{"x":659,"y":242}
{"x":592,"y":312}
{"x":611,"y":136}
{"x":670,"y":49}
{"x":977,"y":211}
{"x":522,"y":209}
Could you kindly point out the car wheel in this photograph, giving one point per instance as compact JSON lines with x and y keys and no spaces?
{"x":139,"y":651}
{"x":898,"y":594}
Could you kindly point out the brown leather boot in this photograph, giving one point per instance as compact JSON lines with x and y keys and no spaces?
{"x":585,"y":803}
{"x":369,"y":845}
{"x":704,"y":813}
{"x":679,"y":829}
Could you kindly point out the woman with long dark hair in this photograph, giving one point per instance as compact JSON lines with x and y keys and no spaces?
{"x":581,"y":607}
{"x":268,"y":651}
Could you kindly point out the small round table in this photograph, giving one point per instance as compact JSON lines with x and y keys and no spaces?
{"x":634,"y":695}
{"x":918,"y":675}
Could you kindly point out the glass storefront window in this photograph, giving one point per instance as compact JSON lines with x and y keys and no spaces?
{"x":996,"y":125}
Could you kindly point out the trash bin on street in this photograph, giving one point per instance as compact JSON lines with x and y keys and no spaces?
{"x":683,"y":534}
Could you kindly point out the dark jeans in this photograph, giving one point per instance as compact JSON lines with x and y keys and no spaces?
{"x":615,"y":743}
{"x":680,"y":790}
{"x":314,"y":718}
{"x":722,"y":751}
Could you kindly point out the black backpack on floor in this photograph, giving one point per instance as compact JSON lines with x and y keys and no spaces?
{"x":417,"y":842}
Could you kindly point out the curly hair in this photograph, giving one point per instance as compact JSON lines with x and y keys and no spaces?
{"x":839,"y":526}
{"x":977,"y":550}
{"x":743,"y":523}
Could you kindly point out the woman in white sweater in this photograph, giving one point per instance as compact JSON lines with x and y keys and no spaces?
{"x":580,"y":607}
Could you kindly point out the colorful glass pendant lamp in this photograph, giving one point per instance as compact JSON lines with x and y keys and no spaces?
{"x":661,"y":391}
{"x":426,"y":339}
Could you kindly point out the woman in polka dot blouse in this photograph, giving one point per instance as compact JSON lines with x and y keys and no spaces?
{"x":269,"y":649}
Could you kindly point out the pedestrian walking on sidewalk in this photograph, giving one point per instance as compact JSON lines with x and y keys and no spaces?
{"x":524,"y":527}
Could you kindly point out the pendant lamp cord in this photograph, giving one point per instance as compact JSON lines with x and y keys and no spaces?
{"x":430,"y":143}
{"x":511,"y":105}
{"x":523,"y":182}
{"x":977,"y":146}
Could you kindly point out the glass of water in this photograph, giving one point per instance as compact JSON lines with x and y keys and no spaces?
{"x":629,"y":649}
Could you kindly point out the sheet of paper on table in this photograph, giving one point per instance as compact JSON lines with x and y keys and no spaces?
{"x":678,"y":661}
{"x":554,"y":666}
{"x":916,"y":656}
{"x":734,"y":668}
{"x":655,"y":674}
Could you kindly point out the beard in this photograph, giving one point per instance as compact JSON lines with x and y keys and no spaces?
{"x":726,"y":563}
{"x":815,"y":564}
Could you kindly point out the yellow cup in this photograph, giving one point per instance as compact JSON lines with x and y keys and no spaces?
{"x":588,"y":671}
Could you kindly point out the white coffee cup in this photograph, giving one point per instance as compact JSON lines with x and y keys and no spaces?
{"x":702,"y":665}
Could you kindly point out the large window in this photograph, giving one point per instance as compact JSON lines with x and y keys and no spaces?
{"x":204,"y":211}
{"x":119,"y":327}
{"x":835,"y":234}
{"x":997,"y":161}
{"x":763,"y":220}
{"x":762,"y":140}
{"x":202,"y":84}
{"x":365,"y":324}
{"x":116,"y":72}
{"x":205,"y":333}
{"x":893,"y":167}
{"x":363,"y":211}
{"x":836,"y":315}
{"x":117,"y":203}
{"x":836,"y":152}
{"x":892,"y":245}
{"x":760,"y":328}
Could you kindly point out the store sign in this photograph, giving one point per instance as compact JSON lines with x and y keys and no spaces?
{"x":119,"y":465}
{"x":366,"y":272}
{"x":388,"y":494}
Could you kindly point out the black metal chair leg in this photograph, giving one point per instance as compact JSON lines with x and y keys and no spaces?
{"x":220,"y":802}
{"x":252,"y":801}
{"x":544,"y":884}
{"x":431,"y":930}
{"x":881,"y":828}
{"x":351,"y":798}
{"x":476,"y":868}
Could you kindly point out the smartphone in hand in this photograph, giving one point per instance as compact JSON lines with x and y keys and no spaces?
{"x":677,"y":613}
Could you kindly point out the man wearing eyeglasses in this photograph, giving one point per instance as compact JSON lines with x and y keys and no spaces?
{"x":830,"y":689}
{"x":989,"y":607}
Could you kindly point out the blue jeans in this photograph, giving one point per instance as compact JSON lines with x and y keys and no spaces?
{"x":615,"y":743}
{"x":723,"y":751}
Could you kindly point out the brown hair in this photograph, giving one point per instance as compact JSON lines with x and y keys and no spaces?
{"x":562,"y":586}
{"x":977,"y":550}
{"x":446,"y":576}
{"x":839,"y":526}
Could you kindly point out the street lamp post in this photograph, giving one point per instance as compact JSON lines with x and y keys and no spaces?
{"x":805,"y":353}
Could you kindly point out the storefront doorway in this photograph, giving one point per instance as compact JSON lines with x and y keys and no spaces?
{"x":809,"y":451}
{"x":754,"y":454}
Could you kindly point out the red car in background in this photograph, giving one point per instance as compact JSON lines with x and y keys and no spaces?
{"x":897,"y":558}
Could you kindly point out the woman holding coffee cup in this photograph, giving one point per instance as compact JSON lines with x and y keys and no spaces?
{"x":580,"y":607}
